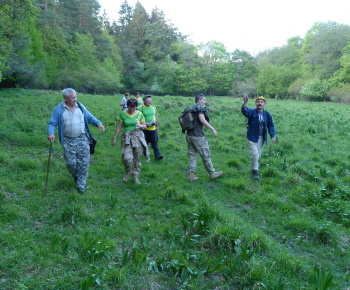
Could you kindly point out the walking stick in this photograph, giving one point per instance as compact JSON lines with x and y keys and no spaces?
{"x":48,"y":168}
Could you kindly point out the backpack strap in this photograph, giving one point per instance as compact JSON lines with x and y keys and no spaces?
{"x":86,"y":124}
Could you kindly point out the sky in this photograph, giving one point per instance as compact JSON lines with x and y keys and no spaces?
{"x":250,"y":25}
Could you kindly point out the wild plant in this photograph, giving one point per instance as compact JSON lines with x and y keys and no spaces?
{"x":223,"y":236}
{"x":117,"y":275}
{"x":243,"y":250}
{"x":136,"y":256}
{"x":94,"y":248}
{"x":211,"y":266}
{"x":201,"y":220}
{"x":323,"y":279}
{"x":93,"y":277}
{"x":180,"y":266}
{"x":72,"y":214}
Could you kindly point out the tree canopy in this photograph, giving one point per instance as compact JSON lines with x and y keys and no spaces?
{"x":53,"y":44}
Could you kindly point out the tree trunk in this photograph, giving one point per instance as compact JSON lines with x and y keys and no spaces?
{"x":54,"y":12}
{"x":80,"y":15}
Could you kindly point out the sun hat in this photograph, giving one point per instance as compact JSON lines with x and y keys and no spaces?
{"x":261,"y":98}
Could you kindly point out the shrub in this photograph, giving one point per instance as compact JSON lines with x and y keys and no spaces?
{"x":315,"y":90}
{"x":340,"y":94}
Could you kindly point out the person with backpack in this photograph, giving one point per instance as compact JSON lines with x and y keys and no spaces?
{"x":192,"y":120}
{"x":151,"y":117}
{"x":259,"y":122}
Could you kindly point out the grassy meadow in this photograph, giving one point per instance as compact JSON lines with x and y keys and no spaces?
{"x":288,"y":231}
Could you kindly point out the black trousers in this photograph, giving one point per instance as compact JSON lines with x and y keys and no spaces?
{"x":151,"y":137}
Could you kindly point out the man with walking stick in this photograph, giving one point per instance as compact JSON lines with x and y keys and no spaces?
{"x":72,"y":121}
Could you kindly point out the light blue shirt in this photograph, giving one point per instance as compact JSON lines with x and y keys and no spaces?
{"x":57,"y":120}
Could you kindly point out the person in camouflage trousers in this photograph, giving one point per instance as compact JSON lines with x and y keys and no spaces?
{"x":72,"y":122}
{"x":197,"y":142}
{"x":133,"y":143}
{"x":77,"y":157}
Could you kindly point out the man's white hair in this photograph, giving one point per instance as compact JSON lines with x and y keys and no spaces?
{"x":66,"y":92}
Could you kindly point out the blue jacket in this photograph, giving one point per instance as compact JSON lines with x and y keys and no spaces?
{"x":253,"y":124}
{"x":57,"y":120}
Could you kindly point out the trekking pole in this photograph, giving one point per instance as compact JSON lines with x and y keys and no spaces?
{"x":48,"y":168}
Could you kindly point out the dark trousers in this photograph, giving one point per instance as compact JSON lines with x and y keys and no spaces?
{"x":151,"y":137}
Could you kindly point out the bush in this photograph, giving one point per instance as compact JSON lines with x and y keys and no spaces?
{"x":315,"y":90}
{"x":340,"y":94}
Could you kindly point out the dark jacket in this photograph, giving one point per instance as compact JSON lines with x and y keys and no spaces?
{"x":253,"y":124}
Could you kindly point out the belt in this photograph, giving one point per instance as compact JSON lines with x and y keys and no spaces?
{"x":74,"y":137}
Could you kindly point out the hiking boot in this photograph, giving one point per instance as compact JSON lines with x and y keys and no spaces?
{"x":159,"y":157}
{"x":135,"y":179}
{"x":255,"y":174}
{"x":81,"y":190}
{"x":215,"y":175}
{"x":126,"y":177}
{"x":192,"y":177}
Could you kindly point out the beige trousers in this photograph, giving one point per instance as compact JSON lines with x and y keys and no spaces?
{"x":256,"y":150}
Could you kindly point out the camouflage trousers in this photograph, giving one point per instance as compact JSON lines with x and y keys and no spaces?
{"x":133,"y":145}
{"x":199,"y":145}
{"x":77,"y":157}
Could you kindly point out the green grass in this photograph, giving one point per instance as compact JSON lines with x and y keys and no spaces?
{"x":288,"y":231}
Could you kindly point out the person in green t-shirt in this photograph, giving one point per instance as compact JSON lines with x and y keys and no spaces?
{"x":138,"y":98}
{"x":151,"y":117}
{"x":133,"y":143}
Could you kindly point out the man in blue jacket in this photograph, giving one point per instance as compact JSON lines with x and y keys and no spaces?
{"x":259,"y":121}
{"x":72,"y":123}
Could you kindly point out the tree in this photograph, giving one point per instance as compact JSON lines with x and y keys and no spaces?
{"x":246,"y":71}
{"x":274,"y":80}
{"x":126,"y":13}
{"x":218,"y":68}
{"x":279,"y":68}
{"x":13,"y":18}
{"x":138,"y":29}
{"x":342,"y":76}
{"x":322,"y":48}
{"x":83,"y":52}
{"x":245,"y":65}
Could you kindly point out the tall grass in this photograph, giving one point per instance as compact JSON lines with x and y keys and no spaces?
{"x":169,"y":233}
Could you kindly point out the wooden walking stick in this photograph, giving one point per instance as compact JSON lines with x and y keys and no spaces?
{"x":48,"y":168}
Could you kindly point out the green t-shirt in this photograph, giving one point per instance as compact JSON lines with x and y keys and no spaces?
{"x":140,"y":102}
{"x":150,"y":114}
{"x":129,"y":121}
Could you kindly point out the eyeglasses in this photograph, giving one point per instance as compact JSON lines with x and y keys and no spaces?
{"x":132,"y":101}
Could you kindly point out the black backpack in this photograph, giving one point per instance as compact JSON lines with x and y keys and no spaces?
{"x":187,"y":119}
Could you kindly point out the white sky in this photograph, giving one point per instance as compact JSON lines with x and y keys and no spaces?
{"x":251,"y":25}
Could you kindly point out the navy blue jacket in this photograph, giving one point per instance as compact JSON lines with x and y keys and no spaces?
{"x":253,"y":124}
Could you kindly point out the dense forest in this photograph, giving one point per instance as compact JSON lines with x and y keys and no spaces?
{"x":51,"y":44}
